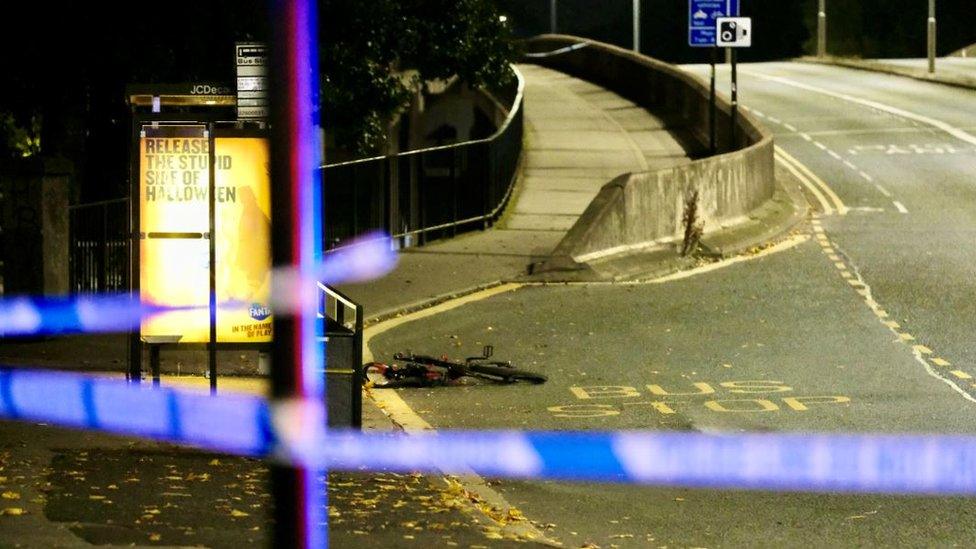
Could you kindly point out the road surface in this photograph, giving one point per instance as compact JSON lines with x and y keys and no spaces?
{"x":863,"y":321}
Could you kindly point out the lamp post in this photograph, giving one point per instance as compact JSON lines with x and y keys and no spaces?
{"x":637,"y":25}
{"x":931,"y":36}
{"x":552,"y":16}
{"x":822,"y":29}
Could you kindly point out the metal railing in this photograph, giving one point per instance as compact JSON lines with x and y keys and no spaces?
{"x":415,"y":196}
{"x":99,"y":246}
{"x":425,"y":194}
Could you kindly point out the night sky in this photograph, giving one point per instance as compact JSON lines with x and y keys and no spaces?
{"x":71,"y":61}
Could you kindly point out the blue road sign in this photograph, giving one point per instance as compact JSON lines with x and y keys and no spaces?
{"x":701,"y":20}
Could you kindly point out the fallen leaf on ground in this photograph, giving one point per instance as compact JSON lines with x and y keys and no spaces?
{"x":13,"y":511}
{"x":236,"y":513}
{"x":10,"y":495}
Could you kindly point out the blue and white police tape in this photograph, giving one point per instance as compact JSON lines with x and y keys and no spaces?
{"x":293,"y":432}
{"x":369,"y":256}
{"x":25,"y":315}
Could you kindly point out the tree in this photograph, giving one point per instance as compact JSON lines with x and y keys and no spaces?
{"x":376,"y":54}
{"x":66,"y":64}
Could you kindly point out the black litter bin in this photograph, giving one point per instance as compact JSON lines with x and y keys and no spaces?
{"x":343,"y":328}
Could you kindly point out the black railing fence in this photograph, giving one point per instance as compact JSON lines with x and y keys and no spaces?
{"x":422,"y":195}
{"x":415,"y":196}
{"x":99,"y":246}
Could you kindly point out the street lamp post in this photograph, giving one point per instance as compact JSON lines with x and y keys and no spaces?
{"x":931,"y":36}
{"x":637,"y":25}
{"x":822,"y":29}
{"x":552,"y":16}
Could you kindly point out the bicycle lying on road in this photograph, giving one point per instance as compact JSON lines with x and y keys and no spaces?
{"x":427,"y":371}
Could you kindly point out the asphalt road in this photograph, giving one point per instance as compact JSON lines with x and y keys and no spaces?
{"x":866,"y":326}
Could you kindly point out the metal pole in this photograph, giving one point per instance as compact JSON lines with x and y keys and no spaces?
{"x":822,"y":29}
{"x":212,"y":254}
{"x":296,"y":243}
{"x":135,"y":245}
{"x":931,"y":36}
{"x":711,"y":105}
{"x":552,"y":16}
{"x":637,"y":25}
{"x":735,"y":100}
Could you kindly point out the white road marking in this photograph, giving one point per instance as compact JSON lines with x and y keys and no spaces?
{"x":882,"y":190}
{"x":790,"y":127}
{"x":775,"y":120}
{"x":806,"y":136}
{"x":958,"y":133}
{"x":758,"y":113}
{"x":820,"y":145}
{"x":901,"y":207}
{"x":839,"y":204}
{"x":866,"y":176}
{"x":850,"y":165}
{"x":834,"y":155}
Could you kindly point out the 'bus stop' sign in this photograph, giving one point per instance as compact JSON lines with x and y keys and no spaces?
{"x":252,"y":80}
{"x":702,"y":17}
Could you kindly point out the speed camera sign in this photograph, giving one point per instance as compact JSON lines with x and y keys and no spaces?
{"x":733,"y":32}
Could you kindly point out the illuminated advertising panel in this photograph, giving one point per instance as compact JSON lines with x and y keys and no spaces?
{"x":174,"y":227}
{"x":243,"y":227}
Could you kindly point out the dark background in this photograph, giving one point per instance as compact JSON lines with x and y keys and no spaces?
{"x":782,"y":28}
{"x":69,"y":61}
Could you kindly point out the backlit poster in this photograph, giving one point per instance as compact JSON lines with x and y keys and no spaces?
{"x":243,"y":227}
{"x":174,"y":235}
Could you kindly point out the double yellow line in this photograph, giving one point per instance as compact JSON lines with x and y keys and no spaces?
{"x":828,"y":199}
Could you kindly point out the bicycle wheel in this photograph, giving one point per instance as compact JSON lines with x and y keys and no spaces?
{"x":383,"y":376}
{"x":504,"y":373}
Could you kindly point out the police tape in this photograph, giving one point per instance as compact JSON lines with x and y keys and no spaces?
{"x":293,"y":432}
{"x":369,"y":256}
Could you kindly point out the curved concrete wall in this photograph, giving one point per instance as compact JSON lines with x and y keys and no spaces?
{"x":636,"y":211}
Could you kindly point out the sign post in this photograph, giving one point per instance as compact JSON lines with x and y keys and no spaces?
{"x":702,"y":15}
{"x":712,"y":137}
{"x":212,"y":261}
{"x":733,"y":33}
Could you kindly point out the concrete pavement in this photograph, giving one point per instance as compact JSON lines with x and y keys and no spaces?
{"x":578,"y":137}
